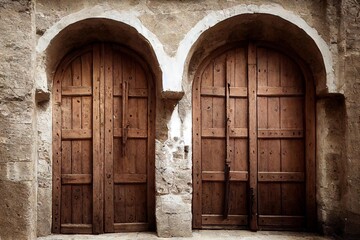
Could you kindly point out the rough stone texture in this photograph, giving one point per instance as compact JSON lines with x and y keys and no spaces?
{"x":17,"y":147}
{"x":330,"y":164}
{"x":351,"y":22}
{"x":173,"y":189}
{"x":44,"y":169}
{"x":178,"y":33}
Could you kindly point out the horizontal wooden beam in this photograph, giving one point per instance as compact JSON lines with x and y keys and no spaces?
{"x":132,"y":133}
{"x":220,"y":91}
{"x":220,"y":220}
{"x":76,"y":228}
{"x":220,"y":132}
{"x":240,"y":176}
{"x":281,"y":176}
{"x":137,"y":92}
{"x":76,"y":178}
{"x":76,"y":134}
{"x":131,"y":227}
{"x":76,"y":91}
{"x":281,"y":221}
{"x":280,"y":133}
{"x":279,"y":91}
{"x":130,"y":178}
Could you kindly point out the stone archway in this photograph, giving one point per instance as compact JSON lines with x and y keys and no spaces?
{"x":103,"y":142}
{"x":275,"y":25}
{"x":253,"y":140}
{"x":63,"y":37}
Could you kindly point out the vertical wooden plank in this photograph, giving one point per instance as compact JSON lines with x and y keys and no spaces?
{"x":310,"y":152}
{"x":292,"y":158}
{"x":273,"y":71}
{"x":76,"y":164}
{"x":269,"y":158}
{"x":129,"y":115}
{"x":216,"y":157}
{"x":109,"y":136}
{"x":130,"y":203}
{"x":98,"y":76}
{"x":219,"y":103}
{"x":141,"y":204}
{"x":151,"y":106}
{"x":252,"y":83}
{"x":66,"y":120}
{"x":86,"y":148}
{"x":206,"y":198}
{"x":196,"y":123}
{"x":241,"y":67}
{"x":66,"y":207}
{"x":119,"y":203}
{"x":230,"y":81}
{"x":125,"y":120}
{"x":240,"y":110}
{"x":118,"y":163}
{"x":56,"y":132}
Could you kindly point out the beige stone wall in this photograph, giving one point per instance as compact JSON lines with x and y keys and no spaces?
{"x":350,"y":53}
{"x":17,"y":135}
{"x":174,"y":36}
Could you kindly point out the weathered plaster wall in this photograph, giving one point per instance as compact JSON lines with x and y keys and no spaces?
{"x":17,"y":147}
{"x":172,"y":33}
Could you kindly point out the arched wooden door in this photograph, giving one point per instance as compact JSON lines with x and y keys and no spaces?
{"x":253,"y":141}
{"x":103,"y":142}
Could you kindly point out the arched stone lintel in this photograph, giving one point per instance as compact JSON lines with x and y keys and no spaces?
{"x":127,"y":19}
{"x":191,"y":41}
{"x":175,"y":69}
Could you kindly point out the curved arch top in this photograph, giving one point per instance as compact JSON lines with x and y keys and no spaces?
{"x":101,"y":16}
{"x":172,"y":71}
{"x":192,"y":40}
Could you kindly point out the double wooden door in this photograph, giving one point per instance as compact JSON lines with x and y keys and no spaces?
{"x":254,"y":141}
{"x":103,"y":142}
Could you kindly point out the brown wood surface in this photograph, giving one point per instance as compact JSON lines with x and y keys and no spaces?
{"x":253,"y":147}
{"x":109,"y":136}
{"x":96,"y":187}
{"x":310,"y":145}
{"x":97,"y":152}
{"x":281,"y":141}
{"x":220,"y":133}
{"x":270,"y":140}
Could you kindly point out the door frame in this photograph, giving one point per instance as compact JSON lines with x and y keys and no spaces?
{"x":310,"y":131}
{"x":99,"y":203}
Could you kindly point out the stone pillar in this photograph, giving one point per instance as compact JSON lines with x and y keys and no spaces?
{"x":351,"y":27}
{"x":17,"y":138}
{"x":173,"y":189}
{"x":173,"y":176}
{"x":330,"y":160}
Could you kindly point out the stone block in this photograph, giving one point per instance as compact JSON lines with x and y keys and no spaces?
{"x":17,"y":205}
{"x":173,"y":216}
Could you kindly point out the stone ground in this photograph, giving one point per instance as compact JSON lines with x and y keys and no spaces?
{"x":197,"y":235}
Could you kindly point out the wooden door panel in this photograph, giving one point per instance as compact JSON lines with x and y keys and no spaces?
{"x":131,"y":140}
{"x":76,"y":154}
{"x":281,"y":143}
{"x":249,"y":111}
{"x":217,"y":143}
{"x":103,"y":142}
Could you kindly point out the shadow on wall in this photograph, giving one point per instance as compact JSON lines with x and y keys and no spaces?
{"x":331,"y":172}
